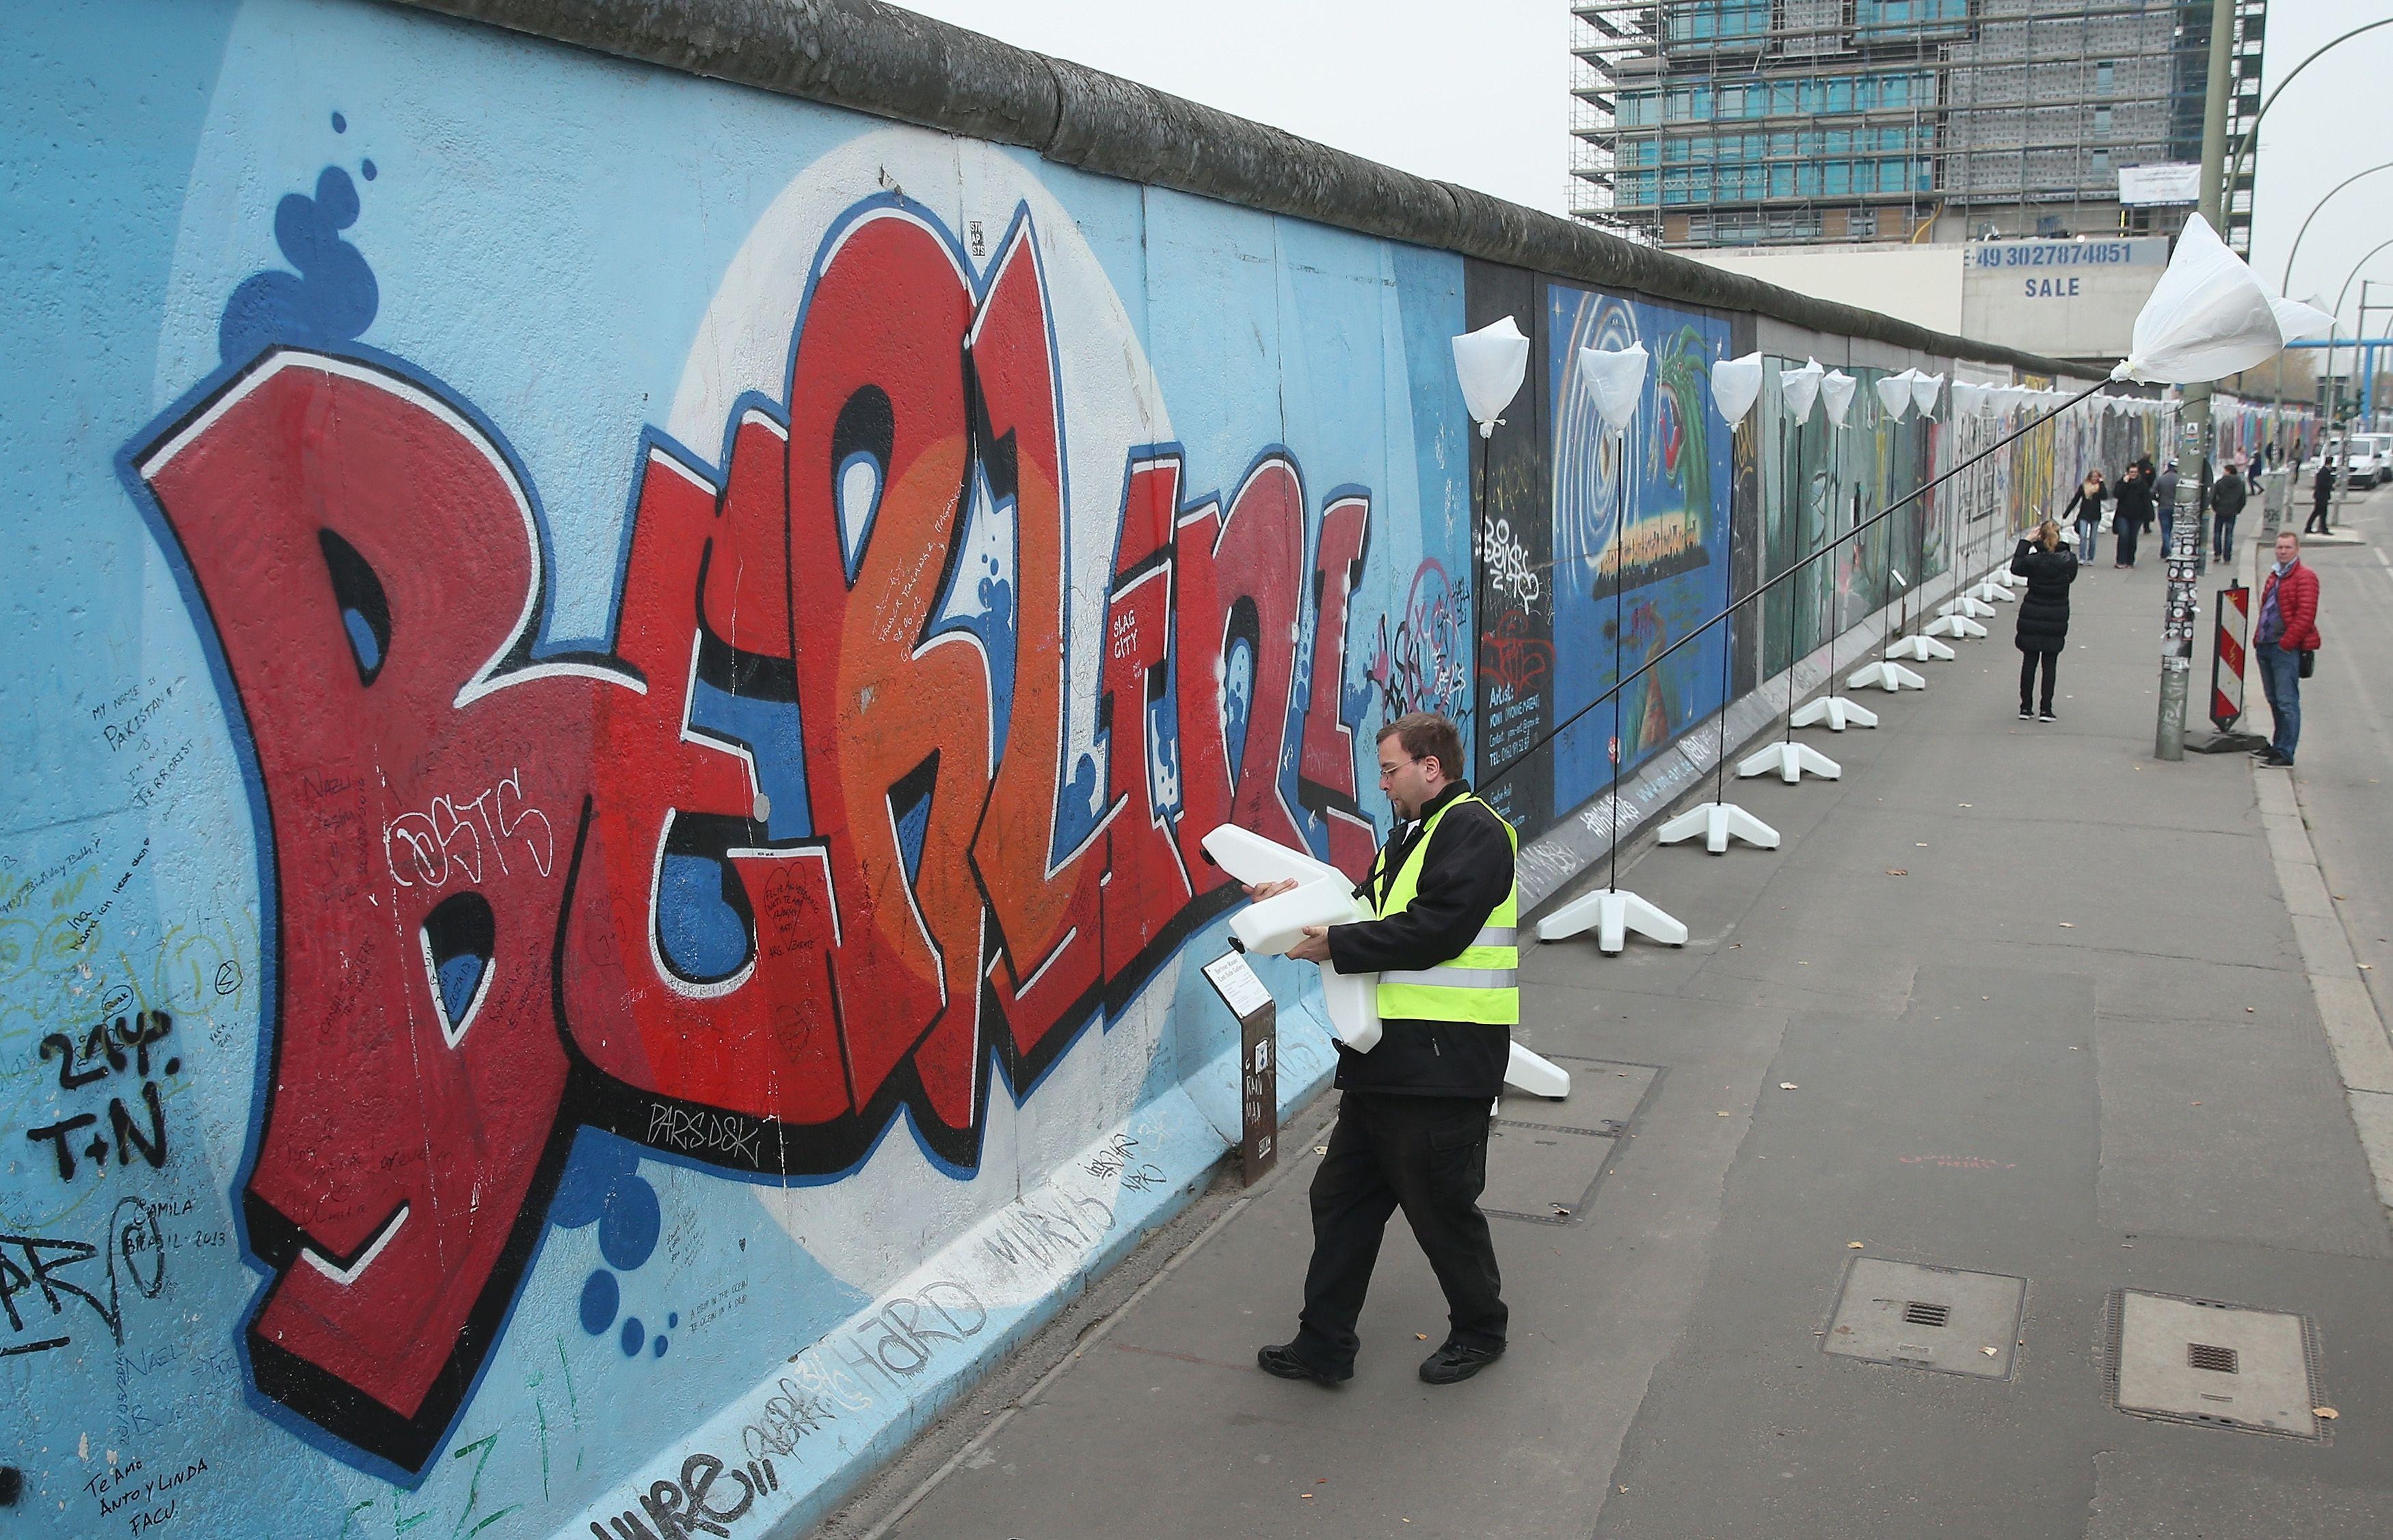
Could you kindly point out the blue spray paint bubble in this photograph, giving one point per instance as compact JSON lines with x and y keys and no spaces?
{"x":600,"y":1297}
{"x":599,"y":1165}
{"x":628,"y":1230}
{"x":340,"y":123}
{"x":332,"y":297}
{"x":673,"y":1319}
{"x":657,"y":1346}
{"x":367,"y":168}
{"x":635,"y":1337}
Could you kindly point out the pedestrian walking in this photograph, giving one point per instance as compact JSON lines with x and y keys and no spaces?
{"x":2282,"y":644}
{"x":2135,"y":511}
{"x":2322,"y":495}
{"x":2049,"y":568}
{"x":2086,"y":506}
{"x":2227,"y":499}
{"x":1412,"y":1126}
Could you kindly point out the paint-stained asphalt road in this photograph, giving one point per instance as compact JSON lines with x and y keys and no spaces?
{"x":2014,"y":999}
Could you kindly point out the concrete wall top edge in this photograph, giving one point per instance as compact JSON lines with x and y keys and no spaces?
{"x":892,"y":63}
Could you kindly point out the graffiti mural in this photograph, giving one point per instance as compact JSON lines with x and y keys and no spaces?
{"x":797,"y":854}
{"x":1642,"y":519}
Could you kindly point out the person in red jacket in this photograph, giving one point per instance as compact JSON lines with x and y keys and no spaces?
{"x":2288,"y":628}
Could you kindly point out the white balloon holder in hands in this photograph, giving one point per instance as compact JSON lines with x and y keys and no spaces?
{"x":1324,"y":896}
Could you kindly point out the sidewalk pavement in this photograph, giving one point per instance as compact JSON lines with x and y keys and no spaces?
{"x":2011,"y":997}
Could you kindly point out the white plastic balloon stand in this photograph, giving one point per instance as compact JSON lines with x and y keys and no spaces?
{"x":1993,"y":593}
{"x":1957,"y":625}
{"x":2009,"y":578}
{"x":1890,"y":677}
{"x":1834,"y":713}
{"x":1718,"y":823}
{"x":1536,"y":1075}
{"x":1612,"y":914}
{"x":1790,"y":760}
{"x":1965,"y":604}
{"x":1921,"y":649}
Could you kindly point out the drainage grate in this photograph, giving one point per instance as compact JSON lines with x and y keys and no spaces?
{"x":1971,"y":1320}
{"x":2217,"y":1365}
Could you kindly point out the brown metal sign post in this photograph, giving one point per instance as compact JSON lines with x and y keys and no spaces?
{"x":1258,"y":1061}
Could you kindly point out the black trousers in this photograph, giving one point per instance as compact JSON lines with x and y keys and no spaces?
{"x":2028,"y":661}
{"x":1427,"y":1156}
{"x":2317,"y":525}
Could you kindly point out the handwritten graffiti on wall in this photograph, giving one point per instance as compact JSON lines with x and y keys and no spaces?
{"x":796,"y":855}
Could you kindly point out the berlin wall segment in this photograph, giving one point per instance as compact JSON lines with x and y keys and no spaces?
{"x":595,"y":745}
{"x":879,"y":783}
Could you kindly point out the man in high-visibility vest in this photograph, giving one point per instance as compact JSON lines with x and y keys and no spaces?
{"x":1412,"y":1126}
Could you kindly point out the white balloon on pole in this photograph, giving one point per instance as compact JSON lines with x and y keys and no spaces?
{"x":1615,"y":377}
{"x":1894,"y":394}
{"x":2298,"y":321}
{"x":1737,"y":384}
{"x":1801,"y":388}
{"x":1969,"y":400}
{"x":2208,"y":316}
{"x":1836,"y":389}
{"x":1925,"y":388}
{"x":1491,"y":363}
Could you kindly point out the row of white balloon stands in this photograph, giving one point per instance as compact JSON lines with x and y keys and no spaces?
{"x":2208,"y":318}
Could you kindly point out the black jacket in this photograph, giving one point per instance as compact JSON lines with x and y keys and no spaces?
{"x":2044,"y":614}
{"x":1465,"y":873}
{"x":2323,"y":483}
{"x":2087,"y":506}
{"x":2135,"y":502}
{"x":2228,"y":495}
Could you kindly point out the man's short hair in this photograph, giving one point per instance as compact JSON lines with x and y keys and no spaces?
{"x":2293,"y":535}
{"x":1426,"y":735}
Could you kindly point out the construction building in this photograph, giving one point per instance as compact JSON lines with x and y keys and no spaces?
{"x":1748,"y":123}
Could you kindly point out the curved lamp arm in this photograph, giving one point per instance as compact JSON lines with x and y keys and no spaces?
{"x":2287,"y":281}
{"x":2251,"y":135}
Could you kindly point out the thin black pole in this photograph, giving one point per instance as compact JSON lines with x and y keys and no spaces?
{"x":1619,"y":585}
{"x":1728,"y":630}
{"x":1802,"y":498}
{"x":1664,"y":656}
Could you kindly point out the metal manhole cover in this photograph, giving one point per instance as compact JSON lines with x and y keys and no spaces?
{"x":1924,"y":1317}
{"x":1545,"y":1174}
{"x":1604,"y":1097}
{"x":2182,"y":1360}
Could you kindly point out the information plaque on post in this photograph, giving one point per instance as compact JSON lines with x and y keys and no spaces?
{"x":1258,"y":1060}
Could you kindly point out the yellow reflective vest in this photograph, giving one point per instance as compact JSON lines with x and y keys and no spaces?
{"x":1480,"y":983}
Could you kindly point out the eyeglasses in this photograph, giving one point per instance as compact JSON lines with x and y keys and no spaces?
{"x":1388,"y":771}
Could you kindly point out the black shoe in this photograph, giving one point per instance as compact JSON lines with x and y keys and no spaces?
{"x":1282,"y":1361}
{"x":1455,"y":1362}
{"x":2024,"y":714}
{"x":2272,"y":759}
{"x":2045,"y":715}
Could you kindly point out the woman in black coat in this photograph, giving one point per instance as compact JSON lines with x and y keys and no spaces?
{"x":2049,"y":568}
{"x":2135,"y":511}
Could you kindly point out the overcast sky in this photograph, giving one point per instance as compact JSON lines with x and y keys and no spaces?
{"x":1478,"y":92}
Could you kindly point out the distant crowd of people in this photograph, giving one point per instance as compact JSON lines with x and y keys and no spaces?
{"x":2146,"y":494}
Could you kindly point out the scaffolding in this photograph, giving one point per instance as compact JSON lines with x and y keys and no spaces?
{"x":1711,"y":122}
